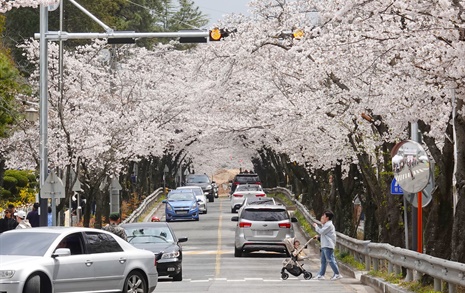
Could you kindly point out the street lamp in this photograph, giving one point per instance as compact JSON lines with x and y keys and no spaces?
{"x":32,"y":115}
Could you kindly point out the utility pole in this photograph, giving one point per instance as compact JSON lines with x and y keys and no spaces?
{"x":43,"y":112}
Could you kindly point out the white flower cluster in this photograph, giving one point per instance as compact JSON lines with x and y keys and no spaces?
{"x":6,"y":5}
{"x":218,"y":104}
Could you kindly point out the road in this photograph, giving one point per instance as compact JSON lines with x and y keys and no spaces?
{"x":209,"y":264}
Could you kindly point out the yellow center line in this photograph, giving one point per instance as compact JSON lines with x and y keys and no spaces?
{"x":218,"y":247}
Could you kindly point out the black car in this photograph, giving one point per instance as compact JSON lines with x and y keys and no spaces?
{"x":203,"y":181}
{"x":244,"y":178}
{"x":159,"y":238}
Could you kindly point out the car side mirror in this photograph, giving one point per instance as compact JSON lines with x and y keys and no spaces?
{"x":59,"y":252}
{"x":294,"y":220}
{"x":235,"y":219}
{"x":182,"y":239}
{"x":164,"y":201}
{"x":213,"y":182}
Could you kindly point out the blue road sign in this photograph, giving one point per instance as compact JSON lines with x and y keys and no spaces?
{"x":395,"y":187}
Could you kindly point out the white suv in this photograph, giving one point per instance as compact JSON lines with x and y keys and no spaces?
{"x":262,"y":227}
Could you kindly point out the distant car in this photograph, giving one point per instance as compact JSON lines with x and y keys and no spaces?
{"x":244,"y":178}
{"x":181,"y":206}
{"x":245,"y":191}
{"x":74,"y":259}
{"x":203,"y":181}
{"x":262,"y":228}
{"x":160,"y":239}
{"x":198,"y":192}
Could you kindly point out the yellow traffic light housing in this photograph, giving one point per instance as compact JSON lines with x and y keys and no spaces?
{"x":216,"y":34}
{"x":298,"y":34}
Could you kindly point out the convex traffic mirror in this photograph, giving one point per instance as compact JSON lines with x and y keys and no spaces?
{"x":411,"y":166}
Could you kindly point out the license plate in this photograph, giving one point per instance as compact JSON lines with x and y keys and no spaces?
{"x":181,"y":212}
{"x":264,"y":232}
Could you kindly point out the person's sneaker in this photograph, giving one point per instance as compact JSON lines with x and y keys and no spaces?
{"x":319,"y":277}
{"x":336,"y":277}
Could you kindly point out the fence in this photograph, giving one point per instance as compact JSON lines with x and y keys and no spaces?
{"x":143,"y":207}
{"x":377,"y":255}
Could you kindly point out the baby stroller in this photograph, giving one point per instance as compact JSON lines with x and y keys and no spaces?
{"x":292,"y":265}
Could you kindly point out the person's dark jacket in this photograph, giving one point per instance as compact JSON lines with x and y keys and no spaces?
{"x":7,"y":224}
{"x":33,"y":218}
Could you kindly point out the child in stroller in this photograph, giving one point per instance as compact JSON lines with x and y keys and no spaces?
{"x":292,"y":265}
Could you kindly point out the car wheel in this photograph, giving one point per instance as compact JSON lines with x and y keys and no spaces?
{"x":205,"y":212}
{"x":178,"y":276}
{"x":233,"y":210}
{"x":32,"y":284}
{"x":211,"y":199}
{"x":135,"y":282}
{"x":237,"y":252}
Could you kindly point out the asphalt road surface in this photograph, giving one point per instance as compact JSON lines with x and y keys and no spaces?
{"x":209,"y":264}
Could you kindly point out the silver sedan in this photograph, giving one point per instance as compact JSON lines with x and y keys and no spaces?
{"x":59,"y":259}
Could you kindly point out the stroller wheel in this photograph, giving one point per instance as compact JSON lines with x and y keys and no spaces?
{"x":284,"y":276}
{"x":307,"y":275}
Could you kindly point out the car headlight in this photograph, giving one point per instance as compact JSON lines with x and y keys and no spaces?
{"x":6,"y":274}
{"x":194,"y":205}
{"x":169,"y":207}
{"x":168,"y":255}
{"x":208,"y":187}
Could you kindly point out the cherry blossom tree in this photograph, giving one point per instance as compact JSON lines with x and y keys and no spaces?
{"x":341,"y":96}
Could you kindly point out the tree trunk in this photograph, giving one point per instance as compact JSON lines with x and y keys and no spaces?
{"x":458,"y":234}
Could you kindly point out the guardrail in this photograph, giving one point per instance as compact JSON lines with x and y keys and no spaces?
{"x":143,"y":207}
{"x":379,"y":255}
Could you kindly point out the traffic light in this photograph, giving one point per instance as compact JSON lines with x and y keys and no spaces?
{"x":217,"y":34}
{"x":298,"y":34}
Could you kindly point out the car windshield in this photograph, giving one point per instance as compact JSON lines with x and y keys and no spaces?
{"x":181,"y":196}
{"x":196,"y":191}
{"x":249,"y":188}
{"x":260,"y":200}
{"x":198,"y":179}
{"x":247,"y":178}
{"x":149,"y":235}
{"x":26,"y":243}
{"x":265,"y":214}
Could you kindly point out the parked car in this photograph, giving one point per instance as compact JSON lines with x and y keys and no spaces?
{"x":203,"y":181}
{"x":73,"y":259}
{"x":159,"y":238}
{"x":245,"y":191}
{"x":198,"y":192}
{"x":181,"y":205}
{"x":262,"y":228}
{"x":244,"y":178}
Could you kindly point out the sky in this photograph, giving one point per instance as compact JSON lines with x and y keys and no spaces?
{"x":217,"y":8}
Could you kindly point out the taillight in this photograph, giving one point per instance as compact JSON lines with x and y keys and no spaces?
{"x":284,"y":225}
{"x":259,"y":183}
{"x":237,"y":195}
{"x":260,"y":195}
{"x":236,"y":183}
{"x":245,"y":225}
